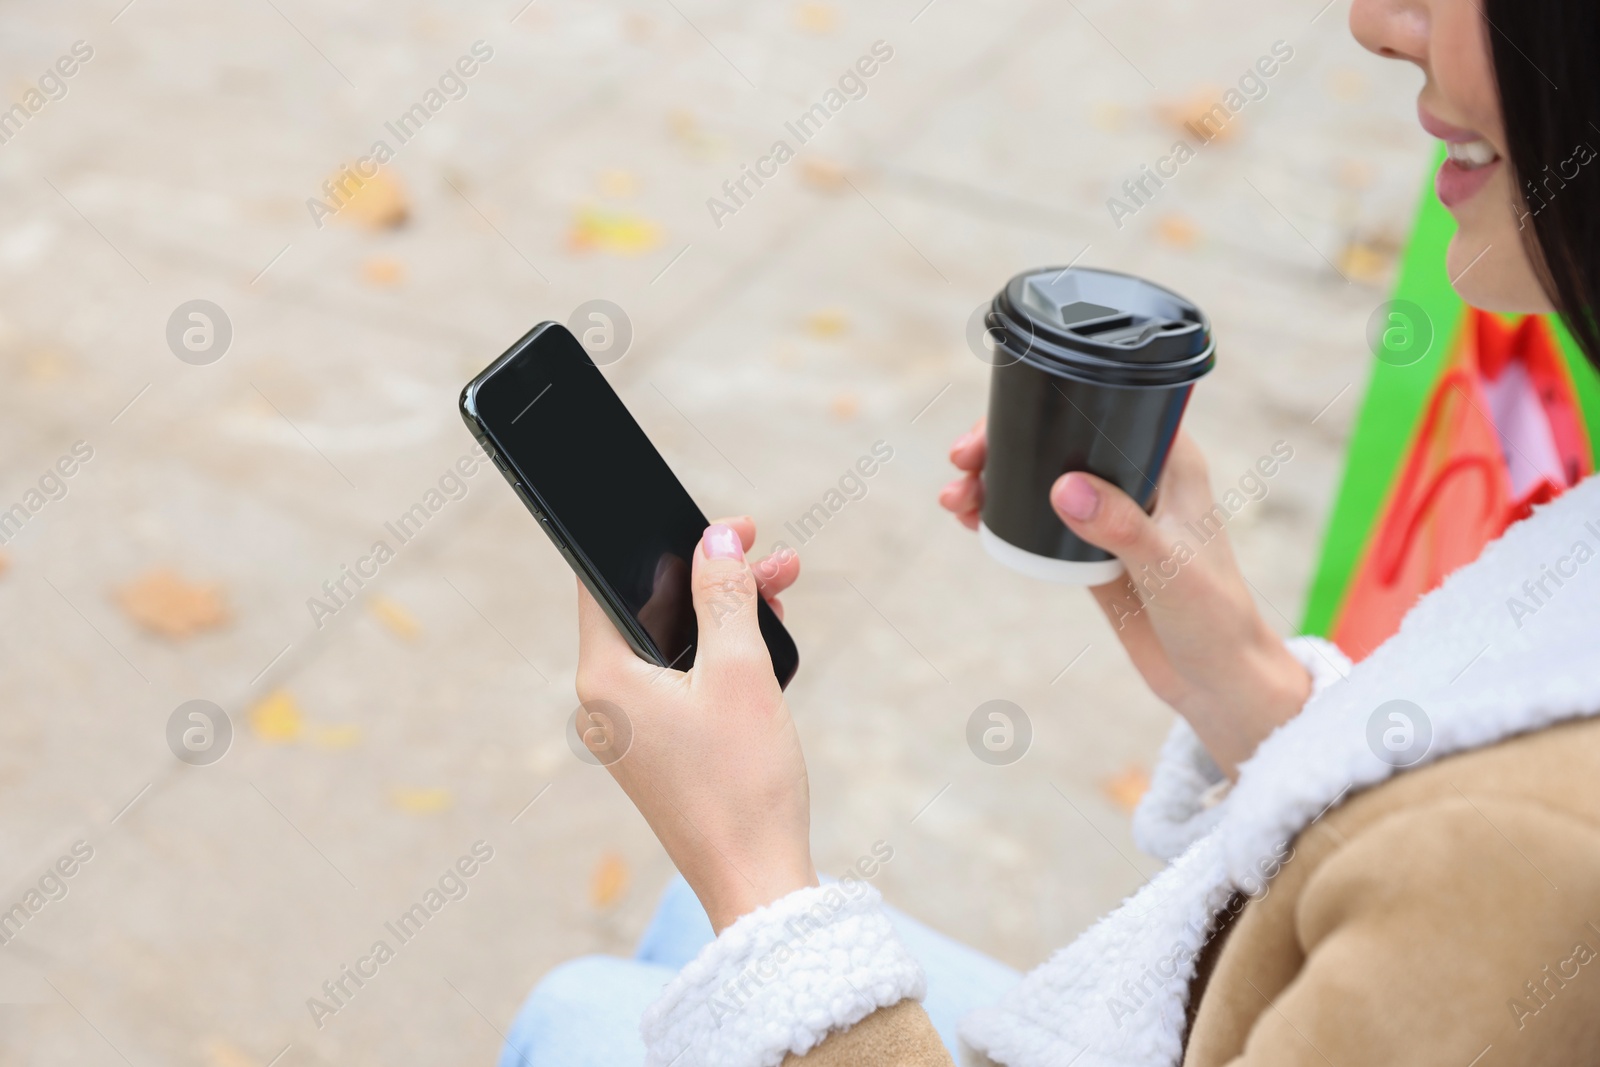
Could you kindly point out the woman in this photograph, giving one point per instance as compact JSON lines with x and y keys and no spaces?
{"x":1323,"y":905}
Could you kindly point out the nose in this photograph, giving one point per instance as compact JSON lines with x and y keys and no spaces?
{"x":1394,"y":29}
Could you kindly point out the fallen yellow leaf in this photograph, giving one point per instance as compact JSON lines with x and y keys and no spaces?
{"x":823,"y":174}
{"x":683,"y":124}
{"x":1127,"y":787}
{"x":166,"y":603}
{"x":45,"y":365}
{"x":397,"y":619}
{"x":686,"y":130}
{"x":377,"y":203}
{"x":420,"y":801}
{"x":343,"y":735}
{"x":276,"y":719}
{"x":1107,"y":116}
{"x":827,"y":323}
{"x":223,"y":1054}
{"x":609,"y":881}
{"x":1200,"y":114}
{"x":816,"y":17}
{"x":383,"y":271}
{"x":1363,"y":262}
{"x":1177,"y":230}
{"x":606,"y":231}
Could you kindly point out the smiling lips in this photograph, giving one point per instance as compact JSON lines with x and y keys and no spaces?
{"x":1470,"y":160}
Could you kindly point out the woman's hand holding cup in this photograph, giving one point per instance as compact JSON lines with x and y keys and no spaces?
{"x":1193,"y":629}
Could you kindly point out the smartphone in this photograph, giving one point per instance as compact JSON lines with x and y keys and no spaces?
{"x":600,"y":490}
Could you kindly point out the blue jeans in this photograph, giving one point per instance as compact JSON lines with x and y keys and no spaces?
{"x":586,"y":1013}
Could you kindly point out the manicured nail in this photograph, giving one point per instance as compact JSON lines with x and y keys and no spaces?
{"x":961,"y":442}
{"x":1076,"y":498}
{"x":722,"y":542}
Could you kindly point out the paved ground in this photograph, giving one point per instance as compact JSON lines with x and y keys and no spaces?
{"x":823,"y":315}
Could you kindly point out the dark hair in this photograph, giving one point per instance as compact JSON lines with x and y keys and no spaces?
{"x":1549,"y":81}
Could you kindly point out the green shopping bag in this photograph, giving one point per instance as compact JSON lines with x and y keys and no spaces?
{"x":1398,"y":400}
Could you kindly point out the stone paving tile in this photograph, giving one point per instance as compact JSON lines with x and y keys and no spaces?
{"x":824,"y":315}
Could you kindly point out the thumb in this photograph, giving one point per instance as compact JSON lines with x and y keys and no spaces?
{"x":1108,"y":518}
{"x":725,"y":597}
{"x":601,"y":649}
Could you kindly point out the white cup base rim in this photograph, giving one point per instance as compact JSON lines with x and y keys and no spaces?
{"x":1047,"y":568}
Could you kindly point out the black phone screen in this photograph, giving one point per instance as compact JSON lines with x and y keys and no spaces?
{"x":608,"y":497}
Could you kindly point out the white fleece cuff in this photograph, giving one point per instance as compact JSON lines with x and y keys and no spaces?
{"x":1323,"y":659}
{"x":1187,"y":790}
{"x":780,"y":979}
{"x":1173,"y":813}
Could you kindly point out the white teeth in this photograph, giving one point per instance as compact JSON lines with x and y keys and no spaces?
{"x":1470,"y":155}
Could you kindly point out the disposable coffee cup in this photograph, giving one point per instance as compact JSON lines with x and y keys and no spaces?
{"x":1092,"y":371}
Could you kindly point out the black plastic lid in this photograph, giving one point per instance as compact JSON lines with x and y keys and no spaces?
{"x":1102,"y":326}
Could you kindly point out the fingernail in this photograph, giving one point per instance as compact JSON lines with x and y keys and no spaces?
{"x":1076,"y":498}
{"x":722,"y":542}
{"x":962,"y":442}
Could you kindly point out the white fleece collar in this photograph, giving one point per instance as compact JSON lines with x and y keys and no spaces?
{"x":1506,"y":645}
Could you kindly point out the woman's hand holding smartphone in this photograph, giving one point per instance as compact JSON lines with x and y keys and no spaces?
{"x":1196,"y":636}
{"x":712,"y":759}
{"x":682,"y":654}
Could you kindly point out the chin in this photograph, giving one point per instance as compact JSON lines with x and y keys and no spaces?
{"x":1491,"y":270}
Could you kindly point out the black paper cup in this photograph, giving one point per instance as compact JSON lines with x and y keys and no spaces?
{"x":1092,"y":371}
